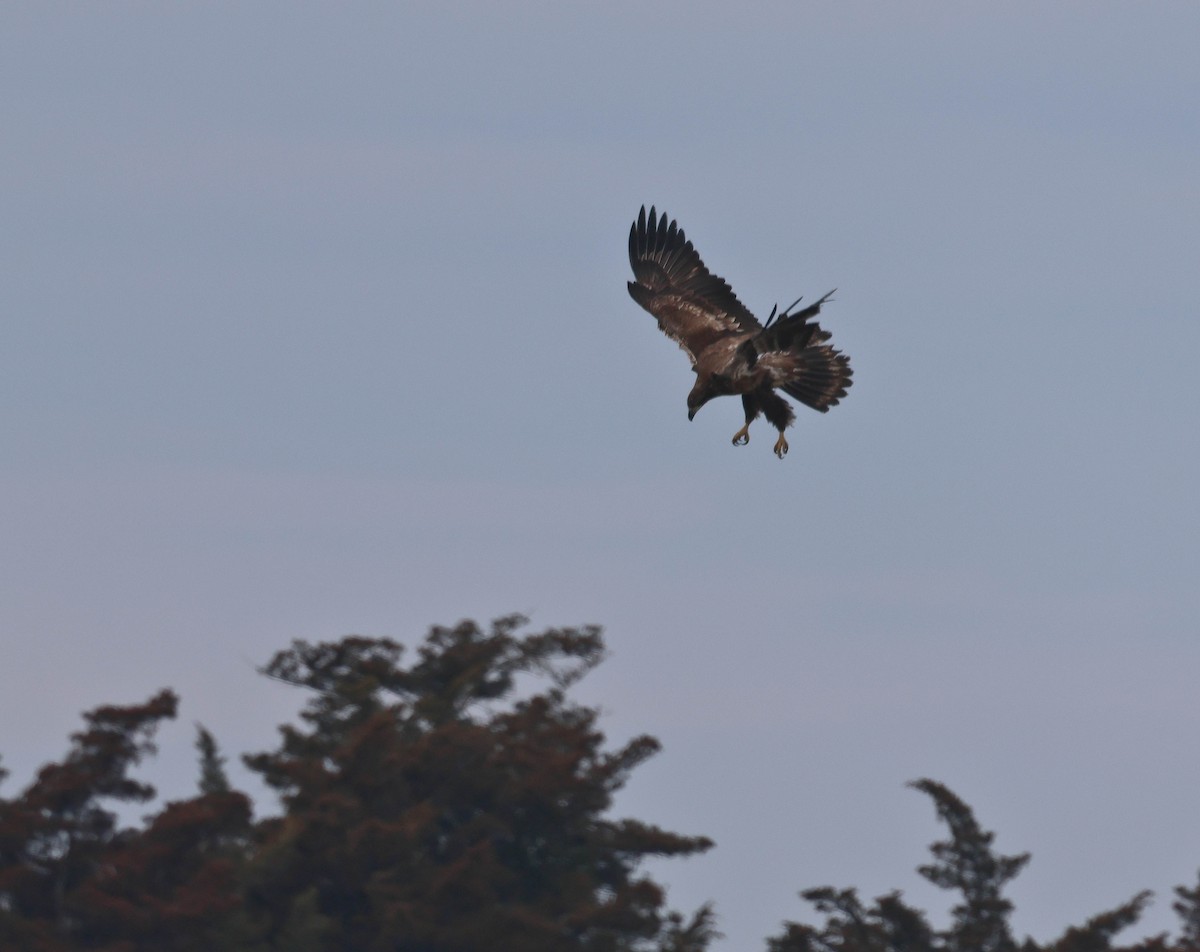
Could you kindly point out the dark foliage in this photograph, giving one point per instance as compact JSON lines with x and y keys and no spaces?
{"x":457,"y":803}
{"x":964,"y":864}
{"x":212,"y":764}
{"x":433,"y":807}
{"x":70,"y":879}
{"x":1187,"y":905}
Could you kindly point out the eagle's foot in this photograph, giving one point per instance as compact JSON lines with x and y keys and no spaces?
{"x":742,"y":436}
{"x":781,"y":447}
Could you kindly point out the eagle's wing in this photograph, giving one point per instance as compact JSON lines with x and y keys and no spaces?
{"x":694,"y":308}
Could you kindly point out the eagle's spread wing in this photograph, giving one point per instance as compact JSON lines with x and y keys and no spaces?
{"x":694,"y":308}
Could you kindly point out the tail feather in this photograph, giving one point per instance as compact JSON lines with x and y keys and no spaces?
{"x":818,"y":377}
{"x":795,"y":349}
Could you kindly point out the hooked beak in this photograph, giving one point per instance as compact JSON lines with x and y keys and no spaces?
{"x":691,"y":414}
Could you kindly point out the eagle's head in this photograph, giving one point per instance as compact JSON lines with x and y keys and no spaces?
{"x":700,"y":395}
{"x":707,"y":386}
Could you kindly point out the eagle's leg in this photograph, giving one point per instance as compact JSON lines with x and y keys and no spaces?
{"x":751,"y":406}
{"x":780,"y":416}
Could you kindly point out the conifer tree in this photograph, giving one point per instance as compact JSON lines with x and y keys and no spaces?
{"x":965,"y":863}
{"x":212,"y":764}
{"x":439,"y":807}
{"x":54,"y":836}
{"x":1187,"y":907}
{"x":456,"y":803}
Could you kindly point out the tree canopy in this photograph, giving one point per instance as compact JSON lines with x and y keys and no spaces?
{"x":964,"y":864}
{"x":457,"y":802}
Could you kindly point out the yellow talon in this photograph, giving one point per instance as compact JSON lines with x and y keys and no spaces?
{"x":742,"y":436}
{"x":781,"y":447}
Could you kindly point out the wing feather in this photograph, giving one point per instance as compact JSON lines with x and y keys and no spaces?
{"x":694,"y":307}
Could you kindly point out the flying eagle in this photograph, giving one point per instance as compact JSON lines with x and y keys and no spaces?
{"x":730,"y":350}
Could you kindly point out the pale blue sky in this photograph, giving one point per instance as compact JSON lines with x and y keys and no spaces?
{"x":313,"y":321}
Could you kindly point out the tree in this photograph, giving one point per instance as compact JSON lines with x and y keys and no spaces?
{"x":888,"y":926}
{"x":71,"y":879}
{"x":1187,"y":907}
{"x":965,"y":863}
{"x":172,"y":886}
{"x":54,"y":835}
{"x":212,"y":764}
{"x":455,"y":803}
{"x":439,"y":807}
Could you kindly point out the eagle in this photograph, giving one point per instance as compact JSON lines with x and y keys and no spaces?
{"x":730,"y":351}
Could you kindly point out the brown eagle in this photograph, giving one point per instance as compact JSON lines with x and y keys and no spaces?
{"x":730,"y":350}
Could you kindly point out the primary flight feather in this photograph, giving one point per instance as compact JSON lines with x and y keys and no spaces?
{"x":731,"y":352}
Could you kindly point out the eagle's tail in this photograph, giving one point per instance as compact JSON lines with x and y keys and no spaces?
{"x":817,"y":376}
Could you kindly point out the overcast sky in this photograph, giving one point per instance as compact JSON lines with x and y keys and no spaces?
{"x":313,"y":321}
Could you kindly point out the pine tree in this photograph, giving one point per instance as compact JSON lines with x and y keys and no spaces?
{"x":54,"y":836}
{"x":212,"y":764}
{"x":454,"y":804}
{"x":437,"y":807}
{"x":71,"y":879}
{"x":1097,"y":934}
{"x":172,"y":886}
{"x":1187,"y":907}
{"x":965,"y":863}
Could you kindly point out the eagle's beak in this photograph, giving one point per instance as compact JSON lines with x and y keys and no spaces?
{"x":691,"y":414}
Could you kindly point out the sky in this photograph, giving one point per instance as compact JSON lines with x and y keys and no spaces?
{"x":313,"y":321}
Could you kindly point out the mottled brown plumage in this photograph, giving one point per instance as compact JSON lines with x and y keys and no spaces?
{"x":731,"y":352}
